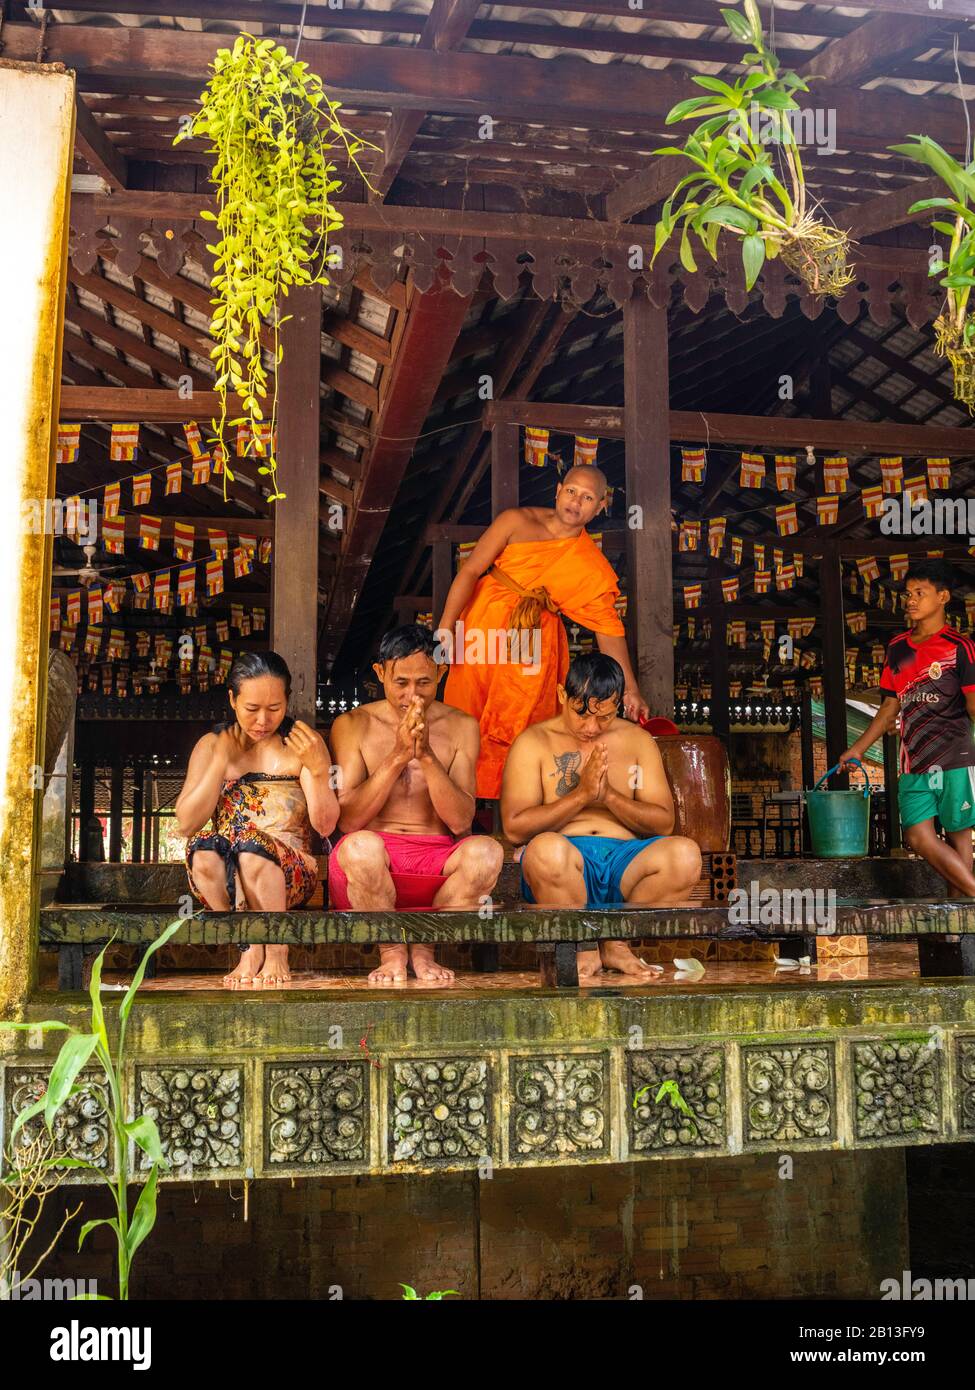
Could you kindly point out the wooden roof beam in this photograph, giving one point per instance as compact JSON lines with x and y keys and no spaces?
{"x":97,"y":150}
{"x":875,"y":45}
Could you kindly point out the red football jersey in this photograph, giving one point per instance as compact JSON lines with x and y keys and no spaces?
{"x":930,"y":678}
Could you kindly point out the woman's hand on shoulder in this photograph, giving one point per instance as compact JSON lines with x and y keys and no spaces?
{"x":309,"y":747}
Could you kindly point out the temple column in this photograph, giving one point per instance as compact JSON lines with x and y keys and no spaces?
{"x":504,"y":467}
{"x":35,"y":178}
{"x":649,"y":561}
{"x":834,"y":655}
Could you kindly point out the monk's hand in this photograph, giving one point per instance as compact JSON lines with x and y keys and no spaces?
{"x":635,"y":706}
{"x":309,"y":746}
{"x":593,"y":779}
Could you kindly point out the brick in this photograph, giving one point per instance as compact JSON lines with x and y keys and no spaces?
{"x":743,"y":1258}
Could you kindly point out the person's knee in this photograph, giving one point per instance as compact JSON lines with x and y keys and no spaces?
{"x":683,"y":860}
{"x":481,"y":859}
{"x":362,"y":853}
{"x":206,"y":866}
{"x":549,"y":855}
{"x":255,"y":868}
{"x":917,"y":836}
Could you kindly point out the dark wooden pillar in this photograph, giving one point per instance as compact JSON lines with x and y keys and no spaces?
{"x":893,"y":811}
{"x":720,"y":683}
{"x":834,"y":655}
{"x":116,"y":809}
{"x":806,"y":740}
{"x":443,"y":555}
{"x":294,"y":594}
{"x":504,"y":467}
{"x":86,"y":808}
{"x":649,"y":564}
{"x":138,"y":790}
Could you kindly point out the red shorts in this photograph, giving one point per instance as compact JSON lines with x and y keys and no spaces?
{"x":415,"y":866}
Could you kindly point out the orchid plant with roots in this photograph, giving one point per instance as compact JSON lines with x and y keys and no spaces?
{"x":954,"y":330}
{"x":272,"y":129}
{"x":734,"y":185}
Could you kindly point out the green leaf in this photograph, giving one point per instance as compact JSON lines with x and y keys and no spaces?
{"x":102,"y":1221}
{"x":95,"y":995}
{"x":90,"y":1298}
{"x":686,"y":254}
{"x":143,"y":1132}
{"x":753,"y":258}
{"x":714,"y":84}
{"x":74,"y":1054}
{"x":728,"y":216}
{"x":409,"y":1292}
{"x":737,"y":24}
{"x":144,"y":1216}
{"x":686,"y":108}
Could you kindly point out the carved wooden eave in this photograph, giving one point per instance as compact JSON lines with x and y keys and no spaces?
{"x":568,"y":269}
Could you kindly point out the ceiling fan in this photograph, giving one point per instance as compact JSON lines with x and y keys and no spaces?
{"x":86,"y":574}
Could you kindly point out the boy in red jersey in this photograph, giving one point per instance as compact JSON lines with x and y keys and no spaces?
{"x":929,"y":677}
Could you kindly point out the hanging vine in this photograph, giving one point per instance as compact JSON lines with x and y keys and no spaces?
{"x":272,"y":129}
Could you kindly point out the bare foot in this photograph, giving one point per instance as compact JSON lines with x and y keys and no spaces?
{"x":251,"y":961}
{"x":588,"y":964}
{"x":618,"y":956}
{"x":426,"y":968}
{"x":275,"y":971}
{"x":391,"y":969}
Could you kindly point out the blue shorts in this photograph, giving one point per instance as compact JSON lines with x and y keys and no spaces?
{"x":604,"y":862}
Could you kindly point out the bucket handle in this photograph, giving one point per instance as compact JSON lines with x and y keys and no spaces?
{"x":855,"y":762}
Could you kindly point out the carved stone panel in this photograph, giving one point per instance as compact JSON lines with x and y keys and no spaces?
{"x":698,"y":1077}
{"x":81,"y":1127}
{"x":965,"y":1061}
{"x":897,"y":1089}
{"x":559,"y":1107}
{"x":199,"y":1112}
{"x":789,"y":1094}
{"x":440,"y":1111}
{"x":316,"y":1115}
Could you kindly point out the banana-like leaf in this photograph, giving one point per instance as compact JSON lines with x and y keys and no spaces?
{"x":753,"y":258}
{"x":144,"y":1216}
{"x":143,"y":1132}
{"x":90,"y":1226}
{"x":125,"y":1008}
{"x":74,"y":1054}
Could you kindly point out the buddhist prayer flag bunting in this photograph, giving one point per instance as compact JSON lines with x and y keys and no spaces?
{"x":785,"y":472}
{"x":869,"y":569}
{"x":184,"y":537}
{"x":113,"y":534}
{"x":226,"y":661}
{"x":247,"y":542}
{"x":218,"y":542}
{"x":55,"y":611}
{"x":186,"y":587}
{"x":584,"y":453}
{"x":620,"y":605}
{"x":763,"y":578}
{"x":798,"y":563}
{"x":161,"y":592}
{"x":463,"y":553}
{"x":786,"y":519}
{"x":827,"y":510}
{"x":174,"y":479}
{"x":201,"y":469}
{"x":66,"y":640}
{"x":141,"y":489}
{"x":214,"y":574}
{"x":676,"y":633}
{"x":873,"y":500}
{"x":194,"y":440}
{"x":970,"y":609}
{"x":836,"y":472}
{"x":95,"y":605}
{"x":737,"y":545}
{"x":113,"y":496}
{"x":536,"y":446}
{"x":735,"y":633}
{"x":692,"y":595}
{"x":68,"y":444}
{"x":877,"y":652}
{"x":219,"y":456}
{"x":689,"y":536}
{"x":734,"y":689}
{"x":785,"y":577}
{"x":939,"y":473}
{"x":898,"y":566}
{"x":856,"y":621}
{"x":223,"y":630}
{"x":794,"y":628}
{"x":729,"y":589}
{"x":716,"y":533}
{"x":691,"y":628}
{"x":124,"y":446}
{"x":73,"y":608}
{"x":916,"y":489}
{"x":778,"y":557}
{"x":150,"y":528}
{"x":264,"y":550}
{"x":263,"y":441}
{"x":116,"y":643}
{"x":93,"y":641}
{"x":243,"y":564}
{"x":692,"y":465}
{"x":752,"y":472}
{"x":892,"y":475}
{"x":142,"y":643}
{"x":236,"y":615}
{"x":816,"y":687}
{"x":759,"y":553}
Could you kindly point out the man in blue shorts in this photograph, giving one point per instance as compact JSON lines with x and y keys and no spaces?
{"x":588,"y":794}
{"x":929,"y":679}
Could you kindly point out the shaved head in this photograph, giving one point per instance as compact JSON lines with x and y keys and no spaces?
{"x":587,"y":473}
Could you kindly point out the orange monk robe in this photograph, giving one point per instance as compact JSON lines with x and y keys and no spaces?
{"x":505,"y":697}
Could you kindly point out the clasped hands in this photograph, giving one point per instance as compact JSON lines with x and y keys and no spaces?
{"x":594,"y":777}
{"x":413,"y":734}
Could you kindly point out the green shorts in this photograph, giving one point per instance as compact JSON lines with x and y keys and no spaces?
{"x":948,"y":795}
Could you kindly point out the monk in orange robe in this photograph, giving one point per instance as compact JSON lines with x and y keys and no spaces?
{"x":502,"y":627}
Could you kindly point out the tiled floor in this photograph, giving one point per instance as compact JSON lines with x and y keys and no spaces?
{"x":885,"y":961}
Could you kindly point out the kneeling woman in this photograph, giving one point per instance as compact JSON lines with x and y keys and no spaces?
{"x":262,"y":782}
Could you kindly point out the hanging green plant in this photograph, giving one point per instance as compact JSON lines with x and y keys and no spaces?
{"x":273,"y":129}
{"x":954,"y":330}
{"x":735,"y":185}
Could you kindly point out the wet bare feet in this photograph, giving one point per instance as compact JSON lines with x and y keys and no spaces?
{"x":275,"y":971}
{"x":251,"y":961}
{"x":391,"y":969}
{"x":426,"y":968}
{"x":588,"y":964}
{"x":616,"y":955}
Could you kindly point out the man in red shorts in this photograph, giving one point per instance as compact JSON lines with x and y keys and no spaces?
{"x":406,"y":797}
